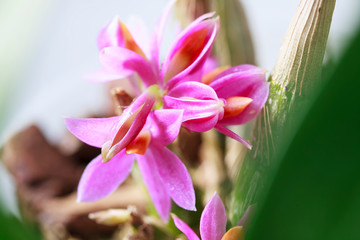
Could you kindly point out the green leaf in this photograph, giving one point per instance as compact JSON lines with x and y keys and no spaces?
{"x":315,"y":192}
{"x":13,"y":228}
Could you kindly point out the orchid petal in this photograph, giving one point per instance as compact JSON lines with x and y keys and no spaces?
{"x":209,"y":76}
{"x":213,"y":219}
{"x":165,"y":125}
{"x":116,"y":34}
{"x":202,"y":124}
{"x":124,"y":62}
{"x":239,"y":69}
{"x":111,"y":35}
{"x":199,"y":115}
{"x":92,"y":131}
{"x":211,"y":63}
{"x":233,"y":135}
{"x":243,"y":81}
{"x":101,"y":179}
{"x":131,"y":123}
{"x":157,"y":190}
{"x":174,"y":176}
{"x":193,"y":90}
{"x":146,"y":97}
{"x":190,"y":50}
{"x":140,"y":32}
{"x":193,"y":108}
{"x":184,"y":228}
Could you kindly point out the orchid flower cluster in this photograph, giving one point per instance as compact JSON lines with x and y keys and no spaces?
{"x":185,"y":90}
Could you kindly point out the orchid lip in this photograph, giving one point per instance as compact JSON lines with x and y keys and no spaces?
{"x":235,"y":105}
{"x":139,"y":144}
{"x":234,"y":233}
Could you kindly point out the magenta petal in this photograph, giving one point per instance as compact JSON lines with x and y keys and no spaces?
{"x":199,"y":115}
{"x":193,"y":108}
{"x":210,"y":64}
{"x":157,"y":190}
{"x":145,"y":97}
{"x":202,"y":108}
{"x":184,"y":228}
{"x":164,"y":125}
{"x":244,"y":81}
{"x":233,"y":135}
{"x":239,"y":69}
{"x":197,"y":64}
{"x":132,"y":121}
{"x":101,"y":179}
{"x":213,"y":219}
{"x":174,"y":176}
{"x":111,"y":35}
{"x":92,"y":131}
{"x":201,"y":125}
{"x":122,"y":61}
{"x":193,"y":90}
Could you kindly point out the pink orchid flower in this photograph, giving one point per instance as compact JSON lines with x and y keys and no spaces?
{"x":138,"y":134}
{"x":230,"y":97}
{"x":121,"y":56}
{"x":212,"y":223}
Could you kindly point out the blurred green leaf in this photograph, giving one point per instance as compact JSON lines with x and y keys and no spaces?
{"x":12,"y":228}
{"x":315,"y":192}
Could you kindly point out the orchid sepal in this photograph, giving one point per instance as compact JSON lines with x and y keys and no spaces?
{"x":242,"y":81}
{"x":180,"y":61}
{"x":101,"y":179}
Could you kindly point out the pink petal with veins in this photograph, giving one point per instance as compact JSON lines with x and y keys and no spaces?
{"x":184,"y":228}
{"x":153,"y":181}
{"x":123,"y":62}
{"x":213,"y":219}
{"x":243,"y":81}
{"x":101,"y":179}
{"x":92,"y":131}
{"x":174,"y":176}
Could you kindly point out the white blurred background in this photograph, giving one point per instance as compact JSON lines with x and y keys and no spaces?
{"x":47,"y":46}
